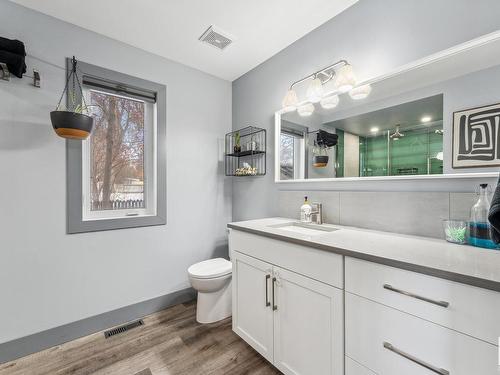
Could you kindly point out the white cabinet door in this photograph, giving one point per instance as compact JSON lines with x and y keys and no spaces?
{"x":308,"y":325}
{"x":252,"y":309}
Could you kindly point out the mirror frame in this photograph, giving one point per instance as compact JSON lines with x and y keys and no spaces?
{"x":447,"y":53}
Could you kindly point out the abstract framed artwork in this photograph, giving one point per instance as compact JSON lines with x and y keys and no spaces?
{"x":476,"y":137}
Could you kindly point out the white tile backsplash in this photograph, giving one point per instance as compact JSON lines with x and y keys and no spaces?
{"x":416,"y":213}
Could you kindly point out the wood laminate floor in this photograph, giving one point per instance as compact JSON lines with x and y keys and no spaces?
{"x":170,"y":343}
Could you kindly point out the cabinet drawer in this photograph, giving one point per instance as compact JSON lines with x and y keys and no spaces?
{"x":412,"y":345}
{"x":467,"y":309}
{"x":317,"y":264}
{"x":354,"y":368}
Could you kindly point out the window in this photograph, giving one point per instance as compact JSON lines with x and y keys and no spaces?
{"x":118,"y":158}
{"x":292,"y":150}
{"x":119,"y":171}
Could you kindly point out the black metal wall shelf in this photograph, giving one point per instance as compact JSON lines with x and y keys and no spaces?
{"x":245,"y":152}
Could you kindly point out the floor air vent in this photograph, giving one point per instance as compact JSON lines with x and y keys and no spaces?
{"x":123,"y":328}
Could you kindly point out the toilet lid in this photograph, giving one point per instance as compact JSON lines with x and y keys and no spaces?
{"x":211,"y":268}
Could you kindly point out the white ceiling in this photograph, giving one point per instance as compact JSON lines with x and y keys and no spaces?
{"x":171,"y":28}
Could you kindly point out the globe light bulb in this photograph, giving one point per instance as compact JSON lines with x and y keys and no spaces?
{"x":290,"y":101}
{"x":345,"y":79}
{"x":305,"y":109}
{"x":329,"y":102}
{"x":314,"y":91}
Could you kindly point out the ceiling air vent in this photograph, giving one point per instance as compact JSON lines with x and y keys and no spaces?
{"x":216,"y":38}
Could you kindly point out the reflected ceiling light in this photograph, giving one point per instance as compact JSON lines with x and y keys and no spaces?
{"x":305,"y":109}
{"x":315,"y":91}
{"x":374,"y":129}
{"x":346,"y":79}
{"x":290,"y":101}
{"x":329,"y":102}
{"x":439,"y":155}
{"x":360,"y":92}
{"x":426,"y":119}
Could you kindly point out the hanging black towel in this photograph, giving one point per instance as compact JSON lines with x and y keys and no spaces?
{"x":14,"y":62}
{"x":494,"y":215}
{"x":13,"y":46}
{"x":326,"y":139}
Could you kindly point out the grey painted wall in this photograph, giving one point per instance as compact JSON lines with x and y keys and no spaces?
{"x":376,"y":36}
{"x":49,"y":278}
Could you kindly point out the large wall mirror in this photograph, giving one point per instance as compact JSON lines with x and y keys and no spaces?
{"x":405,"y":127}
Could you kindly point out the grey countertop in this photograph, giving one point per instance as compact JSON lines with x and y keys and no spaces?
{"x":461,"y":263}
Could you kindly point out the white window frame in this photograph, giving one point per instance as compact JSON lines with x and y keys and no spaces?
{"x":298,"y":155}
{"x":150,"y":167}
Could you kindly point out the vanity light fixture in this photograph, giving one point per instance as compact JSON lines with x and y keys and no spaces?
{"x":315,"y":90}
{"x":329,"y":102}
{"x":305,"y":109}
{"x":360,"y":92}
{"x":425,"y":119}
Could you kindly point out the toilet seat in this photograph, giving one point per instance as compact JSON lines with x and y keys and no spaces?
{"x":209,"y":269}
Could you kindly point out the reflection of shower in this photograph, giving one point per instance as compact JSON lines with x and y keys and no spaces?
{"x":397,"y":134}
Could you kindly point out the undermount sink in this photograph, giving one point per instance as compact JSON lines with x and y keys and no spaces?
{"x":304,"y":228}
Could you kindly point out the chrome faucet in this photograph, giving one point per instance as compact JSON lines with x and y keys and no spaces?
{"x":317,"y":213}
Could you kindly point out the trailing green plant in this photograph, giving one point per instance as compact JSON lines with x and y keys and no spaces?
{"x":75,"y":108}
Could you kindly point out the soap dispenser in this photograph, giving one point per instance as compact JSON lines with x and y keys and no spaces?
{"x":479,"y":227}
{"x":305,"y":212}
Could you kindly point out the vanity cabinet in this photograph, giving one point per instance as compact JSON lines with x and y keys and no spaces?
{"x":294,"y":321}
{"x":398,"y":321}
{"x":295,"y":304}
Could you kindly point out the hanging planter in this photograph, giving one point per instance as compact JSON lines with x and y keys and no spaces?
{"x":320,"y":161}
{"x":323,"y":142}
{"x":72,"y":122}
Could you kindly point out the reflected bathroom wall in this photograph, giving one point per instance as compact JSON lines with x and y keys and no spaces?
{"x":405,"y":139}
{"x":419,"y":151}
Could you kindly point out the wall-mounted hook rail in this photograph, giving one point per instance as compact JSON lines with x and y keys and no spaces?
{"x":36,"y":78}
{"x":5,"y":72}
{"x":5,"y":75}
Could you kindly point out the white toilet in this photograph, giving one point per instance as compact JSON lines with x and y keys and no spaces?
{"x":212,"y":279}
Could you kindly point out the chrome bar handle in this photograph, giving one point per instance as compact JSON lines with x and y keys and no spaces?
{"x":413,"y":295}
{"x":267,"y":290}
{"x":403,"y":354}
{"x":275,"y":307}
